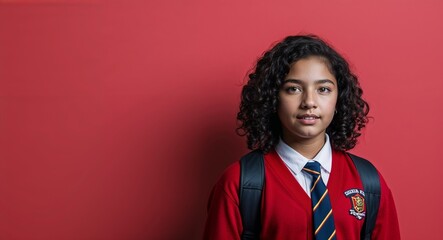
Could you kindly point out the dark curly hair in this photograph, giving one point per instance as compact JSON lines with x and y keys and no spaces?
{"x":259,"y":98}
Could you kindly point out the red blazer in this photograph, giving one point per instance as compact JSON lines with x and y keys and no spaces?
{"x":286,"y":208}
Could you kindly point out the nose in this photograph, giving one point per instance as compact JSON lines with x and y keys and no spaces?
{"x":308,"y":100}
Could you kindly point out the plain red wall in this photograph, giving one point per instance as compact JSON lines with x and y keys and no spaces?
{"x":116,"y":119}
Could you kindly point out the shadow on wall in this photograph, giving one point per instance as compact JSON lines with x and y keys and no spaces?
{"x":214,"y":146}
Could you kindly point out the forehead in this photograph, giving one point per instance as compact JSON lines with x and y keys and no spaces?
{"x":310,"y":69}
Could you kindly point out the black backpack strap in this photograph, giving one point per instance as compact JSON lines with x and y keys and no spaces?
{"x":371,"y":186}
{"x":252,"y":177}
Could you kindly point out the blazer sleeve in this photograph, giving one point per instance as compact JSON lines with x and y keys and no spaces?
{"x":224,"y":219}
{"x":386,"y":225}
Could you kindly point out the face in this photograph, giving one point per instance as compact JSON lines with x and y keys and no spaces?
{"x":307,"y":101}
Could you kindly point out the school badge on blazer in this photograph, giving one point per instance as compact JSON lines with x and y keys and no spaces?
{"x":357,"y":199}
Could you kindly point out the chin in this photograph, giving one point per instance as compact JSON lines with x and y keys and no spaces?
{"x":307,"y":134}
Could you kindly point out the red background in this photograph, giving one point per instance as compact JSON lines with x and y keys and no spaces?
{"x":116,"y":119}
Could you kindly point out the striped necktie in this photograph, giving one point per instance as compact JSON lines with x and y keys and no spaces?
{"x":324,"y":228}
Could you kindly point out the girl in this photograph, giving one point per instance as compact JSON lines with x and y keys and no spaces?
{"x":302,"y":108}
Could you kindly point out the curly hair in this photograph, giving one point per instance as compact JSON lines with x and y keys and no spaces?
{"x":258,"y":118}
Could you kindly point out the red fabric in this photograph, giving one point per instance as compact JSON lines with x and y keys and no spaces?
{"x":286,"y":209}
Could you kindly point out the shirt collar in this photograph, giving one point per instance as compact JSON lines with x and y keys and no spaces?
{"x":295,"y":161}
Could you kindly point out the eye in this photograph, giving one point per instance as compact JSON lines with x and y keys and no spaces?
{"x":324,"y":90}
{"x":293,"y":89}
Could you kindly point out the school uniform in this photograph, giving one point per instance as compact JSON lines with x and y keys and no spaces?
{"x":286,"y":211}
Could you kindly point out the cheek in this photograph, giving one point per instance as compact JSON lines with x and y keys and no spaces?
{"x":284,"y":117}
{"x":281,"y":111}
{"x":330,"y":106}
{"x":285,"y":108}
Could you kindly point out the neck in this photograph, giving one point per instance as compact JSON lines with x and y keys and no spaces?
{"x":309,"y":148}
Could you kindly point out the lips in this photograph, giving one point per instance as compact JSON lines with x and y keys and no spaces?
{"x":308,"y":116}
{"x":307,"y":119}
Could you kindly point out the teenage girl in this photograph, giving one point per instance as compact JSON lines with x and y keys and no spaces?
{"x":301,"y":105}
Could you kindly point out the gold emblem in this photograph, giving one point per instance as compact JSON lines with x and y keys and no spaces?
{"x":358,"y":202}
{"x":357,"y":199}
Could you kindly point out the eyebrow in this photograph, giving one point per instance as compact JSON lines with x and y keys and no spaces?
{"x":297,"y":81}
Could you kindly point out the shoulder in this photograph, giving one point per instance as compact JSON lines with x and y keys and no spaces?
{"x":364,"y":165}
{"x":229,"y":181}
{"x":230,"y":175}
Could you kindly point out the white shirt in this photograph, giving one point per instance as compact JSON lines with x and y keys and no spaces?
{"x":295,"y":162}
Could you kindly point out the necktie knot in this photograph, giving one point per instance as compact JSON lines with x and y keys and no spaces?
{"x":312,"y":168}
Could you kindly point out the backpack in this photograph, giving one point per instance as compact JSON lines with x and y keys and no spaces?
{"x":252,"y":175}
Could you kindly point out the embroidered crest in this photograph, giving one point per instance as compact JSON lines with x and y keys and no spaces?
{"x":358,"y":206}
